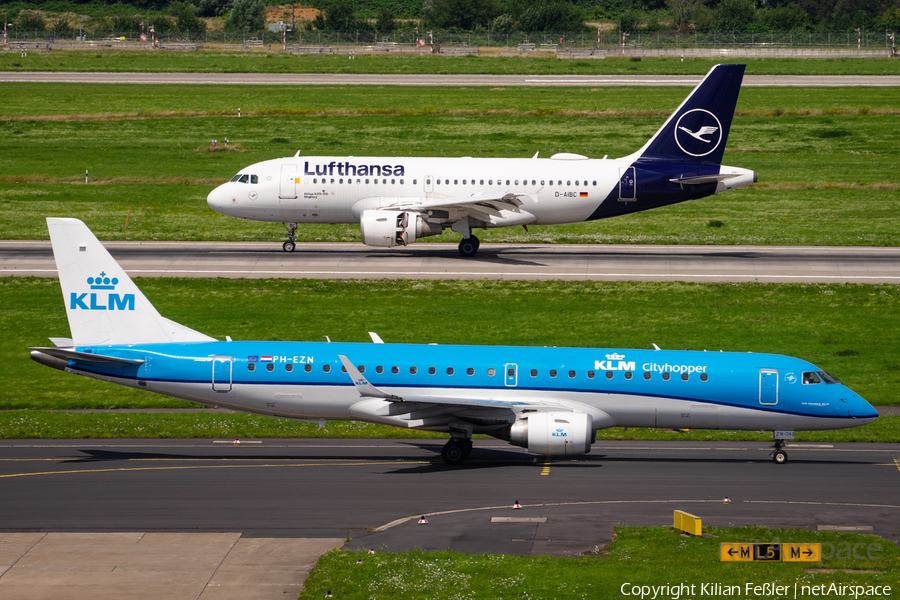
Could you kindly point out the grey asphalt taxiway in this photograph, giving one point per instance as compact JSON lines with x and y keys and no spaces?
{"x":823,"y":264}
{"x":428,"y":80}
{"x":376,"y":490}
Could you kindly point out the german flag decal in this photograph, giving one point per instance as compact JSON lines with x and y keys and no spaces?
{"x":583,"y":194}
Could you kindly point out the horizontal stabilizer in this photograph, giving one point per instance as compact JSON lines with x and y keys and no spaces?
{"x":67,"y":354}
{"x":705,"y":179}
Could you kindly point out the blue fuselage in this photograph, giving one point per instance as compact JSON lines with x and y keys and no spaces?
{"x":618,"y":387}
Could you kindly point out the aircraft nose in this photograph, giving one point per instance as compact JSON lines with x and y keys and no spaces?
{"x":219,"y":198}
{"x":862,"y":410}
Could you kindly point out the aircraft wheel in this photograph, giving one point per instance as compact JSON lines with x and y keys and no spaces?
{"x":454,"y":453}
{"x":288,"y":246}
{"x":780,"y":457}
{"x":467,"y":448}
{"x":477,"y":242}
{"x":469,"y":246}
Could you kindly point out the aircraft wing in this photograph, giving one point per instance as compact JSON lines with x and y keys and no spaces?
{"x":367,"y":390}
{"x":482,"y":204}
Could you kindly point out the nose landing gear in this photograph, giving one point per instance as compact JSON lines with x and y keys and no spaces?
{"x":289,"y":245}
{"x":778,"y":455}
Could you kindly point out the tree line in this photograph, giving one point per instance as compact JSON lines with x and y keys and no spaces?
{"x":496,"y":16}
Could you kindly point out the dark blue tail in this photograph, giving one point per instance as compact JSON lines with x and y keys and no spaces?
{"x":698,"y":129}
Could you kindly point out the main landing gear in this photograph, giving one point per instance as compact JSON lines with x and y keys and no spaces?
{"x":778,"y":455}
{"x":456,"y":451}
{"x":468,"y":247}
{"x":289,"y":245}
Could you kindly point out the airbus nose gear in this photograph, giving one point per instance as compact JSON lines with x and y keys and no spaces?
{"x":289,"y":245}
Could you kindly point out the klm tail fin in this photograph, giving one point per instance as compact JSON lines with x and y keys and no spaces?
{"x":698,"y":129}
{"x":103,"y":305}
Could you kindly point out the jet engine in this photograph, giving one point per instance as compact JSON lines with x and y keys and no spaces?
{"x":388,"y":228}
{"x":553,"y":433}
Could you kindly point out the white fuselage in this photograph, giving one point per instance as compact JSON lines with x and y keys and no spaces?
{"x":323,"y":189}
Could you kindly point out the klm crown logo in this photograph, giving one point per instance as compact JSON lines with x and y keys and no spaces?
{"x":100,"y":301}
{"x":103,"y":282}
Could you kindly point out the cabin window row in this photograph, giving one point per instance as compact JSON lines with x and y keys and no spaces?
{"x":572,"y":374}
{"x":359,"y":180}
{"x":534,"y":182}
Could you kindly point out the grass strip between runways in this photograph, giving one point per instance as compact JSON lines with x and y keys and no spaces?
{"x":638,"y":556}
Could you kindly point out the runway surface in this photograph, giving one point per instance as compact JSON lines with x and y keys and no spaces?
{"x":442,"y":80}
{"x":823,"y":264}
{"x":375,"y":490}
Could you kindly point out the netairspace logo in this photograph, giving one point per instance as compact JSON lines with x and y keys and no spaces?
{"x":752,"y":589}
{"x":97,"y":300}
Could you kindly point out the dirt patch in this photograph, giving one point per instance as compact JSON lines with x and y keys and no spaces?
{"x":283,"y":13}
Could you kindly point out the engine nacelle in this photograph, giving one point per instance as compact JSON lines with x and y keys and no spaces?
{"x":389,"y":228}
{"x":554,"y":433}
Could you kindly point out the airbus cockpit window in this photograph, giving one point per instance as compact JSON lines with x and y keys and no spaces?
{"x":244,"y":179}
{"x":236,"y":177}
{"x":255,"y":179}
{"x":810,"y":378}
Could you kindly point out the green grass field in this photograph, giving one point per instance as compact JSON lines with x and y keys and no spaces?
{"x":826,"y":157}
{"x":652,"y":556}
{"x":277,"y":62}
{"x":852,"y":331}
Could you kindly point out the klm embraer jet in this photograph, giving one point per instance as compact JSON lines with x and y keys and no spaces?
{"x":399,"y":200}
{"x":549,"y":400}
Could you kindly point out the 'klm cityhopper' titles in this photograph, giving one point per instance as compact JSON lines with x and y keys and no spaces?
{"x":345,"y":169}
{"x":97,"y":301}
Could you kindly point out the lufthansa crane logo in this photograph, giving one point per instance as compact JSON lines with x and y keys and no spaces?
{"x":698,"y":132}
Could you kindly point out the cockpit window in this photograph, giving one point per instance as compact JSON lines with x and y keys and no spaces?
{"x":244,"y":178}
{"x":254,"y":179}
{"x":236,"y":177}
{"x":828,"y":378}
{"x":810,"y":378}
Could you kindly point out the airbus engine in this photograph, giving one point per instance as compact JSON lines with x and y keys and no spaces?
{"x":388,"y":228}
{"x":554,"y":433}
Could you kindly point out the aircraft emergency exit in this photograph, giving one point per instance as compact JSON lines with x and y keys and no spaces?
{"x":398,"y":200}
{"x":549,"y":400}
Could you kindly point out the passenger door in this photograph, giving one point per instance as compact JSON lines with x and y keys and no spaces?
{"x":221,"y":374}
{"x":627,"y":184}
{"x":288,"y":186}
{"x":768,"y":387}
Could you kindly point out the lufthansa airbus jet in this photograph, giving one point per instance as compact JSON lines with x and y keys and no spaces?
{"x":399,"y":200}
{"x":551,"y":401}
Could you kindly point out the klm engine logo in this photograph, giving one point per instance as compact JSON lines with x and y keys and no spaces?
{"x":559,"y":433}
{"x":103,"y":298}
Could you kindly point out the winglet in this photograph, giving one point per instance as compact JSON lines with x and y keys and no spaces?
{"x":363,"y":386}
{"x":375,"y":338}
